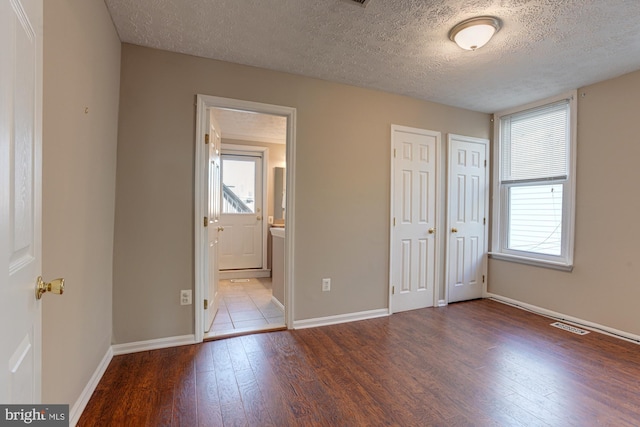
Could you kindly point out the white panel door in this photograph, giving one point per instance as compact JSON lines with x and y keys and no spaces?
{"x":20,"y":199}
{"x":241,"y":243}
{"x":467,"y":184}
{"x":214,"y":226}
{"x":413,"y":240}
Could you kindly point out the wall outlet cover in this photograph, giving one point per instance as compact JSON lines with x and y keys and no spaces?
{"x":185,"y":297}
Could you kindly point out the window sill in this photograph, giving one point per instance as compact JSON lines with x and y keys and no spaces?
{"x":531,"y":261}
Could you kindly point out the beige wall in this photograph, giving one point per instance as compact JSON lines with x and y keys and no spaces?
{"x":342,"y":184}
{"x":603,"y":286}
{"x":81,"y":71}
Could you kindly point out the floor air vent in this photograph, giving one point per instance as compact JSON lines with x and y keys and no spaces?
{"x":569,"y":328}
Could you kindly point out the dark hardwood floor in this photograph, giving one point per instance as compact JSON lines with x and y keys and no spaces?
{"x":478,"y":363}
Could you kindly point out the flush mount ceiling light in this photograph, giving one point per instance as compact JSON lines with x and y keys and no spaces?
{"x":474,"y":33}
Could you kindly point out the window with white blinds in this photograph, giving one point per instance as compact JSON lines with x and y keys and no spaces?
{"x":535,"y":144}
{"x":533,"y":215}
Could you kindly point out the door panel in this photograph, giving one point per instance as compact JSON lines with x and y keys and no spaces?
{"x":413,"y":255}
{"x":214,"y":228}
{"x":241,"y":244}
{"x":468,"y":192}
{"x":20,"y":199}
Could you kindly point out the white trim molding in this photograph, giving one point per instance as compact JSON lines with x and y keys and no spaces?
{"x":595,"y":327}
{"x":134,"y":347}
{"x":500,"y":211}
{"x":340,"y":318}
{"x":203,"y":104}
{"x":244,"y":274}
{"x":76,"y":410}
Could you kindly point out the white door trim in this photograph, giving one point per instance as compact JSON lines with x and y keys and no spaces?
{"x":485,"y":142}
{"x":438,"y":258}
{"x":263,"y":152}
{"x":203,"y":104}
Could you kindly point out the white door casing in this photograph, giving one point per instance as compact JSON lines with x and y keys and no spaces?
{"x":203,"y":104}
{"x":468,"y":192}
{"x":20,"y":199}
{"x":242,"y":245}
{"x":414,"y":187}
{"x":213,"y":214}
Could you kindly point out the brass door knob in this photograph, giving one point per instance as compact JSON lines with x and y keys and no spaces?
{"x":432,"y":230}
{"x":55,"y":286}
{"x":220,"y":228}
{"x":454,"y":230}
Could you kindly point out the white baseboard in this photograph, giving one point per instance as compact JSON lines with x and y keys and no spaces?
{"x":134,"y":347}
{"x":76,"y":411}
{"x":596,"y":327}
{"x":442,"y":303}
{"x":244,"y":274}
{"x":277,"y":303}
{"x":340,"y":318}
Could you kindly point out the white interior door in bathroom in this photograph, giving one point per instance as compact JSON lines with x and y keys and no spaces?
{"x":212,"y":294}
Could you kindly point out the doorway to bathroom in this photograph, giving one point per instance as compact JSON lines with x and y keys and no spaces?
{"x":257,"y":152}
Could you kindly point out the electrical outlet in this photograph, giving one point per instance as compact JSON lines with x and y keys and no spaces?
{"x":185,"y":297}
{"x":326,"y":285}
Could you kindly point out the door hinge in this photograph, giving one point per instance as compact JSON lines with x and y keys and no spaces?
{"x":485,"y":163}
{"x":395,"y":153}
{"x":206,"y":138}
{"x":393,"y":290}
{"x":206,"y":304}
{"x":484,"y":221}
{"x":483,"y":278}
{"x":206,"y":221}
{"x":394,"y":221}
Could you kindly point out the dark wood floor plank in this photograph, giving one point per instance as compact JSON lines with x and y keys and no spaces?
{"x":478,"y":363}
{"x":270,"y":385}
{"x":208,"y":403}
{"x":253,"y":402}
{"x":185,"y":406}
{"x":204,"y":358}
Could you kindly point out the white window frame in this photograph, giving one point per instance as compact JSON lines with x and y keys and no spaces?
{"x":500,"y":217}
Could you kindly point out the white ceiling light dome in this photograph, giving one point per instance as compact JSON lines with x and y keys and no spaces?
{"x":474,"y":33}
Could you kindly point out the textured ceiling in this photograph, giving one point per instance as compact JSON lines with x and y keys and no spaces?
{"x":249,"y":126}
{"x":544,"y":48}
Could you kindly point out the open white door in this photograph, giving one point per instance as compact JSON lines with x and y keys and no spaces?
{"x":214,"y":228}
{"x":413,"y":263}
{"x":467,"y":185}
{"x":20,"y":199}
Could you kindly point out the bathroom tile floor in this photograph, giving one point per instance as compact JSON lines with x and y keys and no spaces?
{"x":245,"y":305}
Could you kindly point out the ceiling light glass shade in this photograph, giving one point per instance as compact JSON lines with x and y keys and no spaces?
{"x":475,"y":32}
